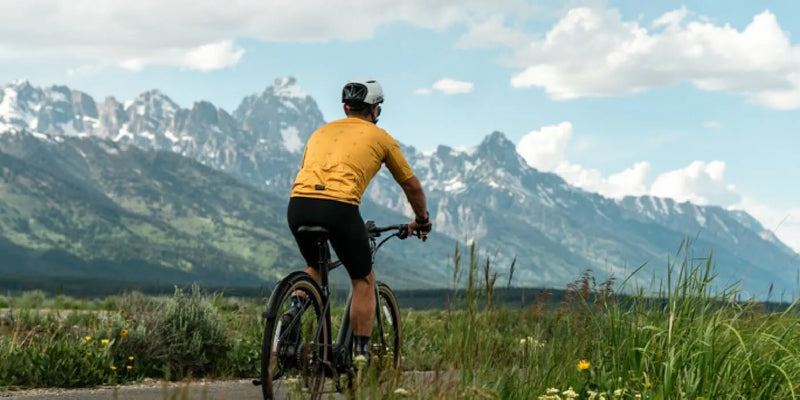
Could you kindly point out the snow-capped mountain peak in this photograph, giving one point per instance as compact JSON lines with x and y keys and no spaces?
{"x":287,"y":87}
{"x":152,"y":103}
{"x":19,"y":104}
{"x":283,"y":114}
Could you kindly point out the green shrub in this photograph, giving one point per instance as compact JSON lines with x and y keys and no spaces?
{"x":194,"y":334}
{"x":61,"y":302}
{"x":31,"y":299}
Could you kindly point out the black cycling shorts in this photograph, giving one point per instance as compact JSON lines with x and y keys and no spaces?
{"x":346,"y":232}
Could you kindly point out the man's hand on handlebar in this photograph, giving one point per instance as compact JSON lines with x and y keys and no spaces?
{"x":420,"y":227}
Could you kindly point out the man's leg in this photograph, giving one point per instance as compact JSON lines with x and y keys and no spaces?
{"x":362,"y":311}
{"x":314,"y":273}
{"x":298,"y":295}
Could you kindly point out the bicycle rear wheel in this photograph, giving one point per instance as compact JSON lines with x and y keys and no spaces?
{"x":387,"y":337}
{"x":295,"y":342}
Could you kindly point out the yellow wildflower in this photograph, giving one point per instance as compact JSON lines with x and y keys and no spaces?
{"x":113,"y":368}
{"x":104,"y":341}
{"x":648,"y":385}
{"x":88,"y":338}
{"x":124,"y":332}
{"x":130,"y":358}
{"x":583,"y":365}
{"x":129,"y":367}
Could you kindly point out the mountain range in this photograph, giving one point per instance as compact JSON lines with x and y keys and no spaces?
{"x":145,"y":189}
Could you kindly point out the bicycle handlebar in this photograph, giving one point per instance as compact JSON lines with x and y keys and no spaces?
{"x":401,"y":230}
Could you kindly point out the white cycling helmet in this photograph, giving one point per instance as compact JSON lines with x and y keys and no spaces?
{"x":362,"y":90}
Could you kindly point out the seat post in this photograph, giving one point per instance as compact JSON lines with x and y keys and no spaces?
{"x":321,"y":235}
{"x":323,"y":263}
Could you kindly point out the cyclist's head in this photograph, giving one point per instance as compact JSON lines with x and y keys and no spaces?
{"x":362,"y":97}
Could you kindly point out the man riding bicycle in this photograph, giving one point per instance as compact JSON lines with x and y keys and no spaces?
{"x":339,"y":161}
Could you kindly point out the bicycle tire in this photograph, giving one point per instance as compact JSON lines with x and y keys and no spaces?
{"x":387,"y":345}
{"x":282,"y":358}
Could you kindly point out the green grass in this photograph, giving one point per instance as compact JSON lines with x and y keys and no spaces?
{"x":683,"y":341}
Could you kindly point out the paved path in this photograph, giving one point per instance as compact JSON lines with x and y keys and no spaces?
{"x":208,"y":390}
{"x":203,"y":390}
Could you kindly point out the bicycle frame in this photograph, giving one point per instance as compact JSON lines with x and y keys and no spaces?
{"x":339,"y":356}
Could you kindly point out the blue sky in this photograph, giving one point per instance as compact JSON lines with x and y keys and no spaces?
{"x":693,"y":100}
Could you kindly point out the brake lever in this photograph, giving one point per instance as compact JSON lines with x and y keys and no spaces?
{"x":402,"y":234}
{"x":418,"y":233}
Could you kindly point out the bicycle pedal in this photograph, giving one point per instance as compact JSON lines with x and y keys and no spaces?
{"x":256,"y":382}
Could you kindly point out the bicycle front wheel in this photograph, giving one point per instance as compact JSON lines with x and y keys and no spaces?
{"x":296,"y":340}
{"x":386,"y":333}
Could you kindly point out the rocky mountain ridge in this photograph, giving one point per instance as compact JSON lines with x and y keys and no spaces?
{"x":488,"y":193}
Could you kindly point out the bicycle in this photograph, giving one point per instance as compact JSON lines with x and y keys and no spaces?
{"x":297,"y":350}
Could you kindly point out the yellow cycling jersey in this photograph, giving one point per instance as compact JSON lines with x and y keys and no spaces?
{"x":343,"y":156}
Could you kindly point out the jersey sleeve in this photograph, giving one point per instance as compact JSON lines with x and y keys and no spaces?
{"x":395,"y":161}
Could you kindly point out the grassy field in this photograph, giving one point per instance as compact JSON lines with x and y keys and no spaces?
{"x":684,"y":343}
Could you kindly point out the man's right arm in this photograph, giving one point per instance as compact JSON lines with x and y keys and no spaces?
{"x":416,"y":197}
{"x":401,"y":171}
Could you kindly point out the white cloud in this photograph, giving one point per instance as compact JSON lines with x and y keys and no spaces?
{"x":630,"y":181}
{"x":594,"y":52}
{"x":544,"y":149}
{"x":699,"y":182}
{"x":492,"y":32}
{"x":213,"y":56}
{"x":206,"y":57}
{"x":450,"y":86}
{"x":422,"y":91}
{"x":671,"y":19}
{"x":199,"y":34}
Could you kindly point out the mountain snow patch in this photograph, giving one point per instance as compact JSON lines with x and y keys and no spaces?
{"x":40,"y":136}
{"x":12,"y":113}
{"x":291,"y":139}
{"x":69,"y":129}
{"x":123,"y":133}
{"x":288,"y":104}
{"x":171,"y":136}
{"x":454,"y":185}
{"x":57,"y":96}
{"x":288,"y":87}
